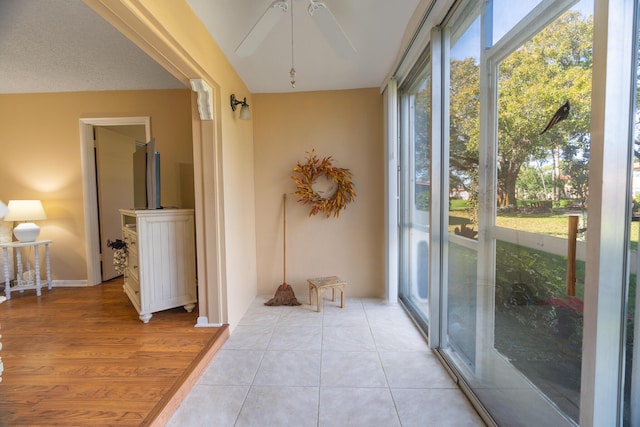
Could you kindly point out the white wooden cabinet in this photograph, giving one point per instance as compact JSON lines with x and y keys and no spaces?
{"x":160,"y":272}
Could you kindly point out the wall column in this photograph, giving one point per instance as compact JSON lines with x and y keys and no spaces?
{"x":209,"y":230}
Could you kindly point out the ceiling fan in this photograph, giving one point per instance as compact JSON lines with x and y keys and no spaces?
{"x":322,"y":16}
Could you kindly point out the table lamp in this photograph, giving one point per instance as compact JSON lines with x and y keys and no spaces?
{"x":25,"y":210}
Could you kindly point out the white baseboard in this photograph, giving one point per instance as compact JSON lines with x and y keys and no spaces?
{"x":203,"y":322}
{"x":68,"y":283}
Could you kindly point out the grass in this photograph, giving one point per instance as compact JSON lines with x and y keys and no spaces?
{"x":458,"y":205}
{"x":554,"y":224}
{"x":550,"y":224}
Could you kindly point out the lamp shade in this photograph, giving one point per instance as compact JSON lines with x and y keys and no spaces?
{"x":3,"y":209}
{"x":245,"y":113}
{"x":25,"y":210}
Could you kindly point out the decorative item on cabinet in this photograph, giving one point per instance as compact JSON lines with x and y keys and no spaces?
{"x":119,"y":255}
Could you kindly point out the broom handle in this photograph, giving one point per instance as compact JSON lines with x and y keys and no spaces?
{"x":284,"y":236}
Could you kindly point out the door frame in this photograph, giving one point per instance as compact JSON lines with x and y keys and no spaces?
{"x":89,"y":186}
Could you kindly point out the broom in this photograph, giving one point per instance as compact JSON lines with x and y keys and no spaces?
{"x":284,"y":294}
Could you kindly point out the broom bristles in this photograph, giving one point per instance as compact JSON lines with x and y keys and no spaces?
{"x":284,"y":296}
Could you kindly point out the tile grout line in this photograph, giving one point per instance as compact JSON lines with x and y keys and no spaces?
{"x":384,"y":371}
{"x":264,"y":352}
{"x":321,"y":357}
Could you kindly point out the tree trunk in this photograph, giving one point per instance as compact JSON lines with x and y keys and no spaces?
{"x":556,"y":173}
{"x":507,"y":177}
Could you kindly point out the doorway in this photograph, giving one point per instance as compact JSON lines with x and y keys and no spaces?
{"x":114,"y":147}
{"x":101,"y":216}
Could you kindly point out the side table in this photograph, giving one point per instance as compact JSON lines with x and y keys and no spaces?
{"x":21,"y":283}
{"x":319,"y":284}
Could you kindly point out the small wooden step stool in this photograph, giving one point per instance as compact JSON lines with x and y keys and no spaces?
{"x":322,"y":283}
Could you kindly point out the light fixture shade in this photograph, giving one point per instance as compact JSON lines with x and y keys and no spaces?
{"x":3,"y":209}
{"x":25,"y":210}
{"x":245,"y":113}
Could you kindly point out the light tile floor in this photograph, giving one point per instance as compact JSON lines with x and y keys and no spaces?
{"x":364,"y":365}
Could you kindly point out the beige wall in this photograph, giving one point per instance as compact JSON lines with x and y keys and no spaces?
{"x":346,"y":125}
{"x":40,"y":145}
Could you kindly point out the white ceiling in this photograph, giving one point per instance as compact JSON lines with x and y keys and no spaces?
{"x":63,"y":46}
{"x":375,"y":27}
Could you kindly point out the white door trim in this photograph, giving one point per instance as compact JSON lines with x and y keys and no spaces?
{"x":89,"y":194}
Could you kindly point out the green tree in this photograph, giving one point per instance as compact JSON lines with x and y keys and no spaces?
{"x":533,"y":82}
{"x":534,"y":180}
{"x":464,"y":127}
{"x":422,"y":132}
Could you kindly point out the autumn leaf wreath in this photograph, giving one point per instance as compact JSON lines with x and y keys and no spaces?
{"x":305,"y":175}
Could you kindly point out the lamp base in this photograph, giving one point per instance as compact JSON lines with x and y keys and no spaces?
{"x":26,"y":232}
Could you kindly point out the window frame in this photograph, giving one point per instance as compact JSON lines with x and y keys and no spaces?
{"x":615,"y":27}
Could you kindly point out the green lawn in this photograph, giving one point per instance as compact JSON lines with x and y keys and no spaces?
{"x":549,"y":224}
{"x":552,"y":225}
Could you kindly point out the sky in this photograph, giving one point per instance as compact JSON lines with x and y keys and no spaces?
{"x":507,"y":13}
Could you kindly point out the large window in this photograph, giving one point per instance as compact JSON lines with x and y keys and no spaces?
{"x":543,"y":146}
{"x":517,"y":184}
{"x":513,"y":148}
{"x":519,"y":202}
{"x":460,"y":182}
{"x":416,"y":193}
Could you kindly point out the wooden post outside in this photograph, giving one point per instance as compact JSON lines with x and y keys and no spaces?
{"x":571,"y":255}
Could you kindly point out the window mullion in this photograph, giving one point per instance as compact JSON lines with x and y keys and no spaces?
{"x":436,"y":207}
{"x":608,"y":210}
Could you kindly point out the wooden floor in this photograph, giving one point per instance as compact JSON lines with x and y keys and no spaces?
{"x":81,"y":357}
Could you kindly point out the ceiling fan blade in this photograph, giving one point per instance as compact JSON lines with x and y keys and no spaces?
{"x":331,"y":29}
{"x":262,"y":28}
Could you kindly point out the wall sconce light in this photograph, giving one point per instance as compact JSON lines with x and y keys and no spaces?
{"x":25,"y":210}
{"x":245,"y":113}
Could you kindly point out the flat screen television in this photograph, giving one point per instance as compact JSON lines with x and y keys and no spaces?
{"x":146,"y":176}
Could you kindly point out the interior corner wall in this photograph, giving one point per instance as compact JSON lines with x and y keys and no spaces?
{"x":40,"y":142}
{"x":239,"y":217}
{"x":348,"y":126}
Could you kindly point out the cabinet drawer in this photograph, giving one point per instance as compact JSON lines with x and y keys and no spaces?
{"x":130,"y":238}
{"x":132,"y":265}
{"x":132,"y":286}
